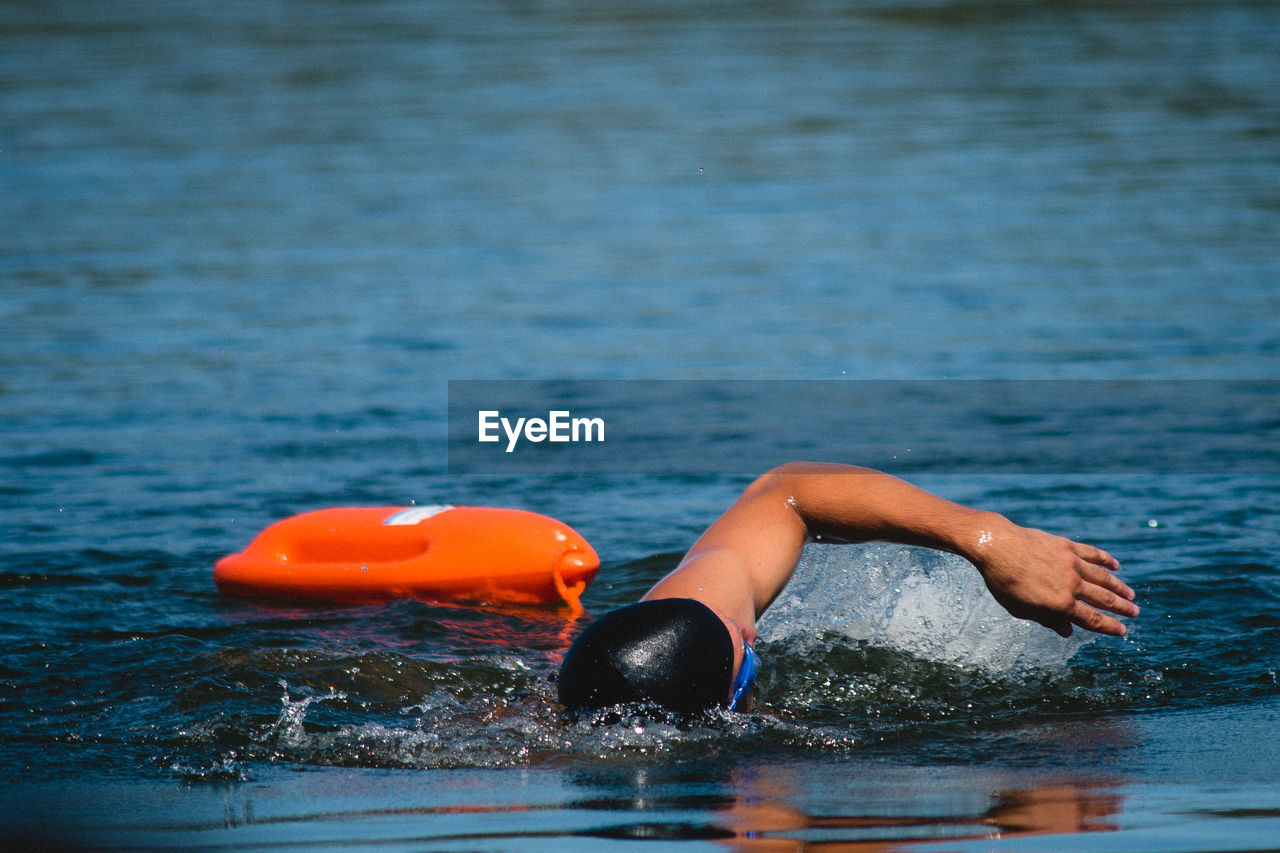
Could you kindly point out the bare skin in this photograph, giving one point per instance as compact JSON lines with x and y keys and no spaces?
{"x":745,"y":558}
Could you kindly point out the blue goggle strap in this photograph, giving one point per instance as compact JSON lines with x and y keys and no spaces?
{"x":746,"y":675}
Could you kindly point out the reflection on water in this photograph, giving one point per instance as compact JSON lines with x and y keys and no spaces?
{"x":795,"y":800}
{"x":1056,"y":810}
{"x":775,"y":808}
{"x":747,"y":811}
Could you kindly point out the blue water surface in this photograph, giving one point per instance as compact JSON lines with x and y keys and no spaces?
{"x":244,"y":247}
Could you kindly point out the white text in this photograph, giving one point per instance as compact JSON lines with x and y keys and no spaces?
{"x":558,"y":426}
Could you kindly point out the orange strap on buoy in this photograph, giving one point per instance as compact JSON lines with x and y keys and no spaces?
{"x":461,"y":553}
{"x":572,"y":595}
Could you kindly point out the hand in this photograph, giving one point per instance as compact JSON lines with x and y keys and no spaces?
{"x":1051,"y":580}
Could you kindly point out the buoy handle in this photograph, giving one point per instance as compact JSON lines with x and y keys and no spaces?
{"x":572,"y":595}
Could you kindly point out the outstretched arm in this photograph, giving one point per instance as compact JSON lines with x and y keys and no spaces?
{"x":745,"y":558}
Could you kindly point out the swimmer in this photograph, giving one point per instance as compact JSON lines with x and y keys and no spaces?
{"x":689,"y":644}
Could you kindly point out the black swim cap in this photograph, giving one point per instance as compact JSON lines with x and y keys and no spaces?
{"x":673,"y":651}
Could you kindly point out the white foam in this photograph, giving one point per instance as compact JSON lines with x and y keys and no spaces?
{"x":930,"y":605}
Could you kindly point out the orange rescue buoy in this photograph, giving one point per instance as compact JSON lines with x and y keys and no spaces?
{"x":460,"y":553}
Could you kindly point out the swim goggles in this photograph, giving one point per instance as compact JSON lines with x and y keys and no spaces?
{"x":746,"y":675}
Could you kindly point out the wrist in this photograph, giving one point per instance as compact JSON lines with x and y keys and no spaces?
{"x":981,"y":535}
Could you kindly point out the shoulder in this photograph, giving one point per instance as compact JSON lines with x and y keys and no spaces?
{"x":717,"y":577}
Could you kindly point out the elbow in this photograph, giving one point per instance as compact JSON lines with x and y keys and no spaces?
{"x":789,"y":470}
{"x":777,"y":479}
{"x":786,"y":475}
{"x":782,"y":483}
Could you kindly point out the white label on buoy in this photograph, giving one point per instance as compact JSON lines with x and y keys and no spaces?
{"x":414,"y":514}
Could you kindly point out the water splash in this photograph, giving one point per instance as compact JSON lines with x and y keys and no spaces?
{"x":926,"y":604}
{"x":869,"y":645}
{"x":288,"y":730}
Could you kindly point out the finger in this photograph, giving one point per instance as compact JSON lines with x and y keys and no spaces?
{"x":1099,"y":576}
{"x":1088,"y":618}
{"x":1096,"y":555}
{"x":1107,"y":600}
